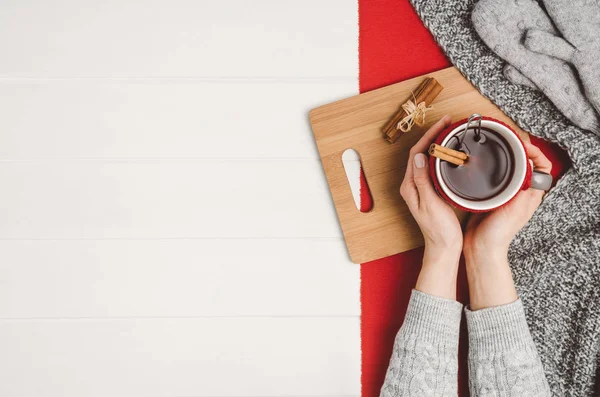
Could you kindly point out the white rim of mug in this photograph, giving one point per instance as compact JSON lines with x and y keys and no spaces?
{"x":520,"y":170}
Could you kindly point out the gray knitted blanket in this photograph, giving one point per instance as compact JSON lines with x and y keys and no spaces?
{"x":555,"y":258}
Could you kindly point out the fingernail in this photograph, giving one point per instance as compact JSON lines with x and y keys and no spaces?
{"x":419,"y":160}
{"x":447,"y":119}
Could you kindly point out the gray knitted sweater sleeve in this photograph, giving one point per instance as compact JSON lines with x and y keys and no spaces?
{"x":425,"y":357}
{"x":502,"y":357}
{"x":503,"y":360}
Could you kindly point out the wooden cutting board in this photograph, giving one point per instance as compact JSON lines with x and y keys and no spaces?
{"x":356,"y":123}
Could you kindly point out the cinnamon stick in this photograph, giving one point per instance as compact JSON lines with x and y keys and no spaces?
{"x":448,"y":151}
{"x":425,"y":93}
{"x":446,"y":154}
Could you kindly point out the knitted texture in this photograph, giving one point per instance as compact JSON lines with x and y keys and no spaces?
{"x":579,"y":25}
{"x":425,"y":357}
{"x":502,"y":356}
{"x":503,"y":359}
{"x":554,"y":258}
{"x":503,"y":26}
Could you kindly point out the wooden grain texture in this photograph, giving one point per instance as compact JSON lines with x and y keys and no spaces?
{"x":356,"y":123}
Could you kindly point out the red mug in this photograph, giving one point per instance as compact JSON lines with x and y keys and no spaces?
{"x":523,"y":177}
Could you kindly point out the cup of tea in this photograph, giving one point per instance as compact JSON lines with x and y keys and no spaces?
{"x":496,"y":168}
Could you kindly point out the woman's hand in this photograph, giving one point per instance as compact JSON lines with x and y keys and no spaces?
{"x":438,"y":222}
{"x":488,"y":236}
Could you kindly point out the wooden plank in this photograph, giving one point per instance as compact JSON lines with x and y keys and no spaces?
{"x":178,"y":38}
{"x":165,"y":199}
{"x":356,"y":123}
{"x":108,"y":216}
{"x":180,"y":357}
{"x":176,"y":278}
{"x":74,"y":119}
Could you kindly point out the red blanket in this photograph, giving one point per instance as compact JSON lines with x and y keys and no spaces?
{"x":393,"y":46}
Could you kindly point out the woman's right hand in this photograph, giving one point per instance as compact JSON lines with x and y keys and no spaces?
{"x":488,"y":236}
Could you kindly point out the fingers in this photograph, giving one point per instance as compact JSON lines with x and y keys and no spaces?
{"x":422,"y":178}
{"x":421,"y":189}
{"x":424,"y":142}
{"x":409,"y":193}
{"x":409,"y":190}
{"x":540,"y":161}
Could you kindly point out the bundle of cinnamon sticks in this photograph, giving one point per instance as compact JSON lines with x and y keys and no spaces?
{"x":413,"y":110}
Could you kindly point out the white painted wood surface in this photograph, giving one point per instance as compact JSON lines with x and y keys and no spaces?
{"x":97,"y":278}
{"x":179,"y":38}
{"x":165,"y":225}
{"x":181,"y":357}
{"x":161,"y":118}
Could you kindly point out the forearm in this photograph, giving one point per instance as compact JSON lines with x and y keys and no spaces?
{"x":424,"y":359}
{"x":439,"y":271}
{"x":503,"y":359}
{"x":436,"y":283}
{"x":490,"y":280}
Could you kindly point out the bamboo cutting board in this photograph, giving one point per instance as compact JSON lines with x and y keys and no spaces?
{"x":356,"y":123}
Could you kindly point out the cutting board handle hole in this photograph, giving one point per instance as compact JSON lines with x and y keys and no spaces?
{"x":357,"y":180}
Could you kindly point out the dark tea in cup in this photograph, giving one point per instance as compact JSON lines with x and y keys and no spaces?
{"x":489,"y":168}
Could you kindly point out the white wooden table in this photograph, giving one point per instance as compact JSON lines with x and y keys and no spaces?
{"x":165,"y":225}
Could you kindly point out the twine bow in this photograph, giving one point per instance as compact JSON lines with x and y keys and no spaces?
{"x":416,"y":115}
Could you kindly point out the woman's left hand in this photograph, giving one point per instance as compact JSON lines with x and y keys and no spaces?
{"x":438,"y":222}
